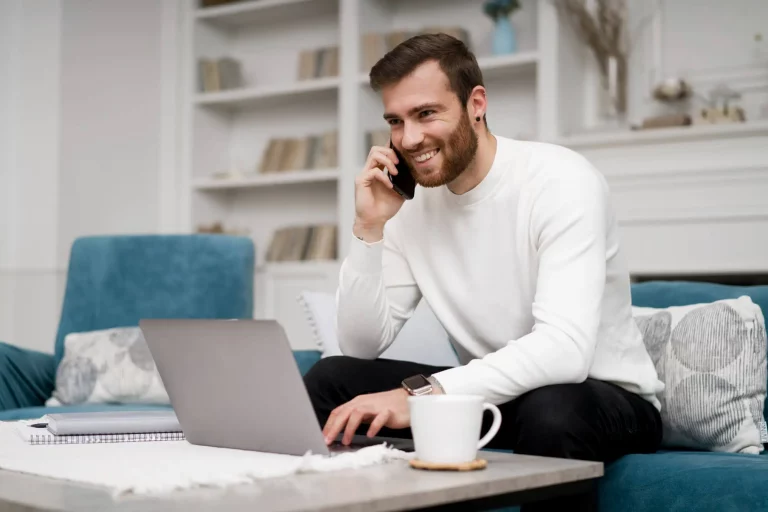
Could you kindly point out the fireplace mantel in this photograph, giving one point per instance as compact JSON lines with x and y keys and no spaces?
{"x":690,"y":200}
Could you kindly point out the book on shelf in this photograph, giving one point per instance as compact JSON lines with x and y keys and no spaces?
{"x":376,"y":138}
{"x":318,"y":63}
{"x":303,"y":243}
{"x":214,"y":3}
{"x":376,"y":44}
{"x":294,"y":154}
{"x":220,"y":74}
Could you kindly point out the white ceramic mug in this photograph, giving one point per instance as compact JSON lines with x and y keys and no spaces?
{"x":446,"y":428}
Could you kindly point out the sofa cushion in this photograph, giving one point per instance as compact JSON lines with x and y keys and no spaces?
{"x":680,"y":481}
{"x":118,"y":280}
{"x":663,"y":294}
{"x":108,"y":366}
{"x":422,"y":338}
{"x":28,"y":413}
{"x":712,"y":360}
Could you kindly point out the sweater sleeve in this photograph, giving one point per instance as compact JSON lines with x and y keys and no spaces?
{"x":569,"y":218}
{"x":376,"y":295}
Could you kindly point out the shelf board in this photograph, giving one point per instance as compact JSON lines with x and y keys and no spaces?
{"x":664,"y":135}
{"x":298,"y":268}
{"x":267,"y":180}
{"x":496,"y":65}
{"x":500,"y":65}
{"x":238,"y":98}
{"x":264,"y":11}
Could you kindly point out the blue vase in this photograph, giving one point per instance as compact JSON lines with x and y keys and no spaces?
{"x":504,"y":38}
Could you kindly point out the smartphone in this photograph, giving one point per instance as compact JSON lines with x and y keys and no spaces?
{"x":403,"y":183}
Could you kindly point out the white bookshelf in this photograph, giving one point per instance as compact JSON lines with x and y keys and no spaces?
{"x":228,"y":131}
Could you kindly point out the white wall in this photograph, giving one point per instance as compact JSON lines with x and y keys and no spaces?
{"x":110,"y":118}
{"x":30,"y":97}
{"x":87,"y":131}
{"x":81,"y":107}
{"x":7,"y":36}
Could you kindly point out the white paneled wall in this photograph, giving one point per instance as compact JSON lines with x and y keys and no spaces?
{"x":110,"y":117}
{"x":93,"y":113}
{"x":81,"y":98}
{"x":29,"y":291}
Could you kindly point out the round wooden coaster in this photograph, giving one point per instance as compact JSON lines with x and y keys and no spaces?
{"x":464,"y":466}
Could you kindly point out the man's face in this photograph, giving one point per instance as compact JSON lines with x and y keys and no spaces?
{"x":430,"y":127}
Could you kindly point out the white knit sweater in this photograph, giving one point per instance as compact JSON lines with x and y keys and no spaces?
{"x":524,"y":271}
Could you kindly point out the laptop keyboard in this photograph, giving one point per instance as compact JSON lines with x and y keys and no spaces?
{"x":356,"y":444}
{"x":359,"y":441}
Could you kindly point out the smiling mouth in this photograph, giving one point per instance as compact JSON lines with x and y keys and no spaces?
{"x":425,"y":157}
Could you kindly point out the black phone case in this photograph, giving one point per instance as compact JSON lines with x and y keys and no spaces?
{"x":403,"y":183}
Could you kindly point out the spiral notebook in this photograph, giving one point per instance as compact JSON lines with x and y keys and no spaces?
{"x":39,"y":436}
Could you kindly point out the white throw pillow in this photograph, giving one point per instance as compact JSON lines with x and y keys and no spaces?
{"x":108,"y":366}
{"x":421,"y":340}
{"x":712,"y":360}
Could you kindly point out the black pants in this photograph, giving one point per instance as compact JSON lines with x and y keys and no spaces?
{"x":593,"y":420}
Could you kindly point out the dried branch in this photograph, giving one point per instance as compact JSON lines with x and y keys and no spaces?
{"x":604,"y":34}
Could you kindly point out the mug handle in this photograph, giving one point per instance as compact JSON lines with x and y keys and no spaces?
{"x":494,"y":426}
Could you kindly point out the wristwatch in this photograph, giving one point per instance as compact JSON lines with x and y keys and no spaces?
{"x":417,"y":385}
{"x":420,"y":385}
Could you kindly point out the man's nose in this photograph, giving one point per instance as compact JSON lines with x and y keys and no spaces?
{"x":412,"y":136}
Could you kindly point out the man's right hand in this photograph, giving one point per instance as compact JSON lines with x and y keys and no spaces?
{"x":375,"y":200}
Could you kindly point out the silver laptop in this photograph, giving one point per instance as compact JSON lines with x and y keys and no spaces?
{"x":235,"y":384}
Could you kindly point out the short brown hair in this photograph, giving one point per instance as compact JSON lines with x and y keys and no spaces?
{"x":453,"y":56}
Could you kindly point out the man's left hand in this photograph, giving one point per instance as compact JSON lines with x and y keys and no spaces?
{"x":387,"y":409}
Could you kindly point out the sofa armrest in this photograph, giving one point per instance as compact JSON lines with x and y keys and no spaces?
{"x":27,"y":377}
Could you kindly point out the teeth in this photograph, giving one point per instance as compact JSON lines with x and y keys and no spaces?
{"x":426,"y":156}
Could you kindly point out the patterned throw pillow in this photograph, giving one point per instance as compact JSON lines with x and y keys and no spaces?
{"x":108,"y":366}
{"x":712,"y":360}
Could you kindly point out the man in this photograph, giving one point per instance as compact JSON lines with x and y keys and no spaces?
{"x":515,"y":247}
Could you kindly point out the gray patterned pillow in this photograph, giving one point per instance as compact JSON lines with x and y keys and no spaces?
{"x":712,"y":360}
{"x":108,"y":366}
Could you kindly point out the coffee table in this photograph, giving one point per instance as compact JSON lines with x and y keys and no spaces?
{"x":508,"y":480}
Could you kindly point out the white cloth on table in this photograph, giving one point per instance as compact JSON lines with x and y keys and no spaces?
{"x":164,"y":466}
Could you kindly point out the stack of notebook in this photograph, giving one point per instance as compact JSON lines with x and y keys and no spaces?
{"x":102,"y":427}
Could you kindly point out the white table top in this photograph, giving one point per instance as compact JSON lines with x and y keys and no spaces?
{"x":392,"y":486}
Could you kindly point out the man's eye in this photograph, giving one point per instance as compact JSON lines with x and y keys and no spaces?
{"x":393,"y":122}
{"x":425,"y":113}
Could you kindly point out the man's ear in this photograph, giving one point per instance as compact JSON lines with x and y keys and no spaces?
{"x":477,"y":103}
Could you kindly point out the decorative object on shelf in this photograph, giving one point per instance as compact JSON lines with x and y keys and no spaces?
{"x":303,"y":243}
{"x":672,"y":90}
{"x":504,"y":37}
{"x":665,"y":121}
{"x":220,"y":74}
{"x":720,"y":108}
{"x":297,"y":154}
{"x":318,"y":63}
{"x":604,"y":31}
{"x":374,"y":44}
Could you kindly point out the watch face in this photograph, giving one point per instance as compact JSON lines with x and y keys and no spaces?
{"x":417,"y":383}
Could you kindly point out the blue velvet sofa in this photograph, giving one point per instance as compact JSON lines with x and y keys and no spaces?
{"x":211,"y":277}
{"x":676,"y":480}
{"x":114,"y":281}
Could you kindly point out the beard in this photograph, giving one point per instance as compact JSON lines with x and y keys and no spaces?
{"x":457,"y":152}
